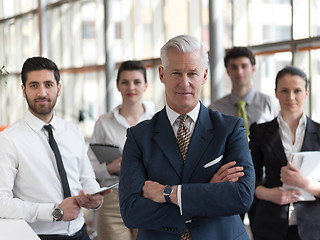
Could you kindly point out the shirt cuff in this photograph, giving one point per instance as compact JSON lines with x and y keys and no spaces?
{"x":179,"y":198}
{"x":45,"y":212}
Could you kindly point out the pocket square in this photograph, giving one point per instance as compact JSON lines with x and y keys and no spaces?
{"x":213,"y":162}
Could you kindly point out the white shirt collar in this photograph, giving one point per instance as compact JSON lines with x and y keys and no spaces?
{"x":172,"y":115}
{"x":37,"y":124}
{"x":285,"y":135}
{"x":302,"y":121}
{"x":122,"y":120}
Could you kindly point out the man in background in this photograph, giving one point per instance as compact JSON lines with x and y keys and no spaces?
{"x":45,"y":174}
{"x":244,"y":101}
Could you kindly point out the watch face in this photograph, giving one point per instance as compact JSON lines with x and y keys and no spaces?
{"x":57,"y":213}
{"x":167,"y":190}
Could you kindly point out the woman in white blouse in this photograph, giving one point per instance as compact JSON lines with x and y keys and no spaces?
{"x":111,"y":128}
{"x":278,"y":213}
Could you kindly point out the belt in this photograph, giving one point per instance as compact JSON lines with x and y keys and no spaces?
{"x":77,"y":236}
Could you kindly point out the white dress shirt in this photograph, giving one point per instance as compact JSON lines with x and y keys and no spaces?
{"x":190,"y":124}
{"x":111,"y":128}
{"x":290,"y":147}
{"x":30,"y":184}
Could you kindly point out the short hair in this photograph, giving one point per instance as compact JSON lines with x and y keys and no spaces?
{"x":237,"y":52}
{"x":132,"y":65}
{"x":185,"y":44}
{"x":37,"y":64}
{"x":293,"y":71}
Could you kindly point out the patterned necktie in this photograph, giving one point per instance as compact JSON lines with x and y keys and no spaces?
{"x":183,"y":139}
{"x":243,"y":114}
{"x":62,"y":172}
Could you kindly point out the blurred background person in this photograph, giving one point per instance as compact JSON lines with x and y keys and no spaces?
{"x":111,"y":128}
{"x":278,"y":215}
{"x":240,"y":64}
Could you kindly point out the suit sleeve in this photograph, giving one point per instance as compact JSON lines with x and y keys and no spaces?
{"x":11,"y":207}
{"x":256,"y":154}
{"x":225,"y":198}
{"x":136,"y":211}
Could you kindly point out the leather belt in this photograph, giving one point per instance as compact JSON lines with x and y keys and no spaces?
{"x":77,"y":236}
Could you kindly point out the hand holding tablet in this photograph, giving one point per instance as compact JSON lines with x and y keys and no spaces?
{"x":104,"y":189}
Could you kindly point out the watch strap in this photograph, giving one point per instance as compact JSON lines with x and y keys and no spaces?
{"x":167,"y":196}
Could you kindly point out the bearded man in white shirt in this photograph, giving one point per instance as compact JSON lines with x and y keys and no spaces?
{"x":31,"y":185}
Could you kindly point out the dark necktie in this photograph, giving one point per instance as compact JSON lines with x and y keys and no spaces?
{"x":183,"y":139}
{"x":62,"y":172}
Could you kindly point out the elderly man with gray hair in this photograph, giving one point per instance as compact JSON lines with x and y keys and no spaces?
{"x":187,"y":173}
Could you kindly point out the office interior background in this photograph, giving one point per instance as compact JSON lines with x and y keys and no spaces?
{"x":88,"y":39}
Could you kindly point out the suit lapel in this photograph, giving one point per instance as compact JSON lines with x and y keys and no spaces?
{"x":273,"y":140}
{"x":166,"y":141}
{"x":199,"y":142}
{"x":310,"y":142}
{"x":311,"y":137}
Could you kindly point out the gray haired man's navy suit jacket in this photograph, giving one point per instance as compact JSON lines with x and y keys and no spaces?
{"x":151,"y":152}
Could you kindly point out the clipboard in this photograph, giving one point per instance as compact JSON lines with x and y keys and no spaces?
{"x":106,"y":153}
{"x":309,"y":165}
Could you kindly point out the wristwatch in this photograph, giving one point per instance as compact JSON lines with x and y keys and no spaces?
{"x":166,"y":192}
{"x":57,"y":213}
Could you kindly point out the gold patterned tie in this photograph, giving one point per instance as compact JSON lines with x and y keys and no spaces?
{"x":183,"y":139}
{"x":243,"y":114}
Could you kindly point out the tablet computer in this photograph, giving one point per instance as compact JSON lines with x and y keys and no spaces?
{"x":309,"y":165}
{"x":105,"y":153}
{"x":103,"y":189}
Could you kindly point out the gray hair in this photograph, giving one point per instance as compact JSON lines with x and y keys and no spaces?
{"x":185,"y":44}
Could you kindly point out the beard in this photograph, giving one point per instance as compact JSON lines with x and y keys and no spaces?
{"x":40,"y":109}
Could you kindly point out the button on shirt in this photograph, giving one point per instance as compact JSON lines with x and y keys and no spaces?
{"x":30,"y":184}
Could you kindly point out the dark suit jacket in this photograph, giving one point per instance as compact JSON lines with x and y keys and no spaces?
{"x":151,"y":153}
{"x":271,"y":220}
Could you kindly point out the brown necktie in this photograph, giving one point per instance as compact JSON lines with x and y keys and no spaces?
{"x":183,"y":139}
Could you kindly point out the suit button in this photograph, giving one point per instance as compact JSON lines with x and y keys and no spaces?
{"x":163,"y":228}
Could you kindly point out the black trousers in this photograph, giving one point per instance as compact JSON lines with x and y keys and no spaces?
{"x":80,"y":235}
{"x":292,"y":234}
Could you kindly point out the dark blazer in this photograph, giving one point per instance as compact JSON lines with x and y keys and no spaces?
{"x":271,"y":220}
{"x":151,"y":153}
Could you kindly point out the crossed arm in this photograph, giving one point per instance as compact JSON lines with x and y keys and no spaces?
{"x":227,"y":172}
